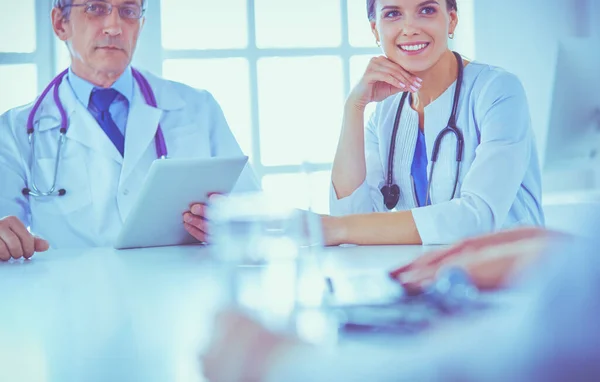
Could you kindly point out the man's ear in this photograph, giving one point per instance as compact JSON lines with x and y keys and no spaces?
{"x":59,"y":25}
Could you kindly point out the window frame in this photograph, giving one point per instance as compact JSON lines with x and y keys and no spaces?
{"x":150,"y":55}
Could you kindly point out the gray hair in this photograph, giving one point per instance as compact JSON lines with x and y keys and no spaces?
{"x":61,"y":4}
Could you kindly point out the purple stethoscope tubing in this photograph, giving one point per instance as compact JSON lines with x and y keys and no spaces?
{"x":161,"y":147}
{"x":148,"y":94}
{"x":159,"y":138}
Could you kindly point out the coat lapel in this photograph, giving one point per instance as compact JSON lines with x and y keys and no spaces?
{"x":436,"y":120}
{"x":437,"y":114}
{"x":142,"y":123}
{"x":82,"y":127}
{"x":143,"y":120}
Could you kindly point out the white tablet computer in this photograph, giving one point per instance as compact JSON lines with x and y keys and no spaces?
{"x":156,"y":218}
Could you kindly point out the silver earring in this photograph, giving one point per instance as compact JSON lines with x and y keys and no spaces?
{"x":378,"y":43}
{"x":451,"y":35}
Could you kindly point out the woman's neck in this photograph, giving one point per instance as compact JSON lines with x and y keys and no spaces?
{"x":435,"y":81}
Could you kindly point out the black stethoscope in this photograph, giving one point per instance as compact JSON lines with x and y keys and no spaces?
{"x":391,"y":191}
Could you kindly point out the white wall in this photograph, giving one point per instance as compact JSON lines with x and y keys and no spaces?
{"x":522,"y":36}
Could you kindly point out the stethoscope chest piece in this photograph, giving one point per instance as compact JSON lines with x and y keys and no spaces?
{"x":391,"y":195}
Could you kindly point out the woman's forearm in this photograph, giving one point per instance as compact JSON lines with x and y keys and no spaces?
{"x":349,"y":168}
{"x":372,"y":229}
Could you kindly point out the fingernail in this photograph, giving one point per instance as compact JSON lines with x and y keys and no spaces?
{"x":402,"y":85}
{"x":187,"y":218}
{"x":418,"y":79}
{"x":414,"y":89}
{"x":407,"y":277}
{"x":197,"y":210}
{"x":417,"y":84}
{"x":215,"y":196}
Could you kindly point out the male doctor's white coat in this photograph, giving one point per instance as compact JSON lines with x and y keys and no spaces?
{"x":101,"y":186}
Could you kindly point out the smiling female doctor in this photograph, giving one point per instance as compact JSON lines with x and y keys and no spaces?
{"x":449,"y":148}
{"x":107,"y":123}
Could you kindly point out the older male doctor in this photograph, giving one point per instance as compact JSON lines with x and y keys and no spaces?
{"x":105,"y":108}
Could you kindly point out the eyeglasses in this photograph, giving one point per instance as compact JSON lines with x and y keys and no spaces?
{"x":128,"y":11}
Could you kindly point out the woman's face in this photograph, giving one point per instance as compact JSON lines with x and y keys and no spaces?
{"x":413,"y":33}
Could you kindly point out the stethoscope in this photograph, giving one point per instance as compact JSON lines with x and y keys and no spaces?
{"x":391,"y":191}
{"x":146,"y":90}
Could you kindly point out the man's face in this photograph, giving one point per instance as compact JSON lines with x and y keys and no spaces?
{"x":98,"y":41}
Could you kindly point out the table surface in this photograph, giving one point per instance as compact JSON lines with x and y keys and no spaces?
{"x":134,"y":315}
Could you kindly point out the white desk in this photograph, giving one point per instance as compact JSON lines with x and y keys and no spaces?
{"x":136,"y":315}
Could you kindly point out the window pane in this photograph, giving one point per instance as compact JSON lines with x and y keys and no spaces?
{"x":227,"y":80}
{"x":358,"y":65}
{"x":300,"y":190}
{"x":359,"y":27}
{"x":18,"y":22}
{"x":204,"y":24}
{"x":293,"y":23}
{"x":62,"y":57}
{"x":300,"y":109}
{"x":19,"y":85}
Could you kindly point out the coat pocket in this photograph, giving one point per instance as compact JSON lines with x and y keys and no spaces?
{"x":71,"y":175}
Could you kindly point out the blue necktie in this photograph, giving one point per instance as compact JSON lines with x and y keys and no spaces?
{"x":419,"y":170}
{"x":100,"y":101}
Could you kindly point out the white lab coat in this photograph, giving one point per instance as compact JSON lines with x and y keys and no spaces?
{"x":101,"y":185}
{"x":499,"y":183}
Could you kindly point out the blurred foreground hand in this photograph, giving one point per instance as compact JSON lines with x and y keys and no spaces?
{"x":490,"y":260}
{"x":242,"y":350}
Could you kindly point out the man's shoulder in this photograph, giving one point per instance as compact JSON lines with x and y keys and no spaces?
{"x":188,"y":93}
{"x":17,"y":116}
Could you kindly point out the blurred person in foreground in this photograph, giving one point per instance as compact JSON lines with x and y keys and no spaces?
{"x":548,"y":333}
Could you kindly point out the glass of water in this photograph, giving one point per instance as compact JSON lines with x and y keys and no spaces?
{"x":270,"y":254}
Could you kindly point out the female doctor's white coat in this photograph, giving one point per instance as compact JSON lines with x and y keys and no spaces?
{"x":101,"y":185}
{"x":499,"y":183}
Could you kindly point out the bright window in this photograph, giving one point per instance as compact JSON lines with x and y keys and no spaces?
{"x":231,"y":89}
{"x":203,"y":24}
{"x":19,"y":85}
{"x":17,"y":27}
{"x":280,"y":69}
{"x":294,"y":24}
{"x":300,"y":103}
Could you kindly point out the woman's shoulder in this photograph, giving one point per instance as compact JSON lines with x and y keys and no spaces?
{"x":493,"y":81}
